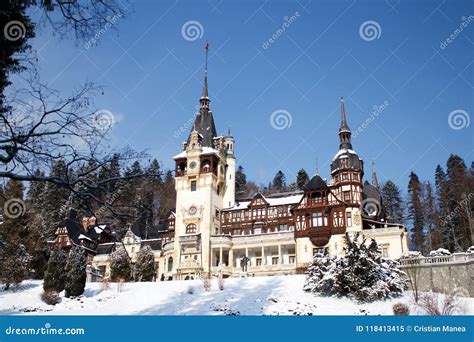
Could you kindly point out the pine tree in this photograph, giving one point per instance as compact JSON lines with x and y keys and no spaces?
{"x":120,"y":267}
{"x":459,"y":202}
{"x":54,"y":200}
{"x":14,"y":260}
{"x":240,"y":181}
{"x":279,"y":182}
{"x":393,"y":202}
{"x":361,"y":273}
{"x":442,"y":208}
{"x":144,"y":268}
{"x":55,"y":276}
{"x":415,"y":212}
{"x":302,"y":178}
{"x":75,"y":272}
{"x":430,"y":214}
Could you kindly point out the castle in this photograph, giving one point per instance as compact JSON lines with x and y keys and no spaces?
{"x":210,"y":233}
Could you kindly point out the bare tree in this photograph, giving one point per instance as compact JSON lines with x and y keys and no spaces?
{"x":42,"y":128}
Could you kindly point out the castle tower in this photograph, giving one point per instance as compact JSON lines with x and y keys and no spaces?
{"x":229,"y":194}
{"x":347,"y":170}
{"x":205,"y":183}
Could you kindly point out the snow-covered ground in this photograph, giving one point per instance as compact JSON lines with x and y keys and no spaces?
{"x":282,"y":295}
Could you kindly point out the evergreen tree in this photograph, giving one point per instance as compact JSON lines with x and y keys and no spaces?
{"x":75,"y":270}
{"x":55,"y":276}
{"x":302,"y":178}
{"x":279,"y":181}
{"x":144,"y":268}
{"x":393,"y":202}
{"x":240,"y":181}
{"x":361,"y":273}
{"x":441,"y":196}
{"x":459,"y":202}
{"x":14,"y":260}
{"x":430,"y":214}
{"x":415,"y":212}
{"x":54,"y":200}
{"x":120,"y":267}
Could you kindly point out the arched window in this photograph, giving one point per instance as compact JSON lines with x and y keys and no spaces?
{"x":170,"y":264}
{"x":191,"y":228}
{"x":206,"y":166}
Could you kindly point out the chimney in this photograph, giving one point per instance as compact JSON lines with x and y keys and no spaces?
{"x":85,"y":223}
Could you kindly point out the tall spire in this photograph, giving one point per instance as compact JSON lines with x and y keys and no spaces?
{"x":374,"y":176}
{"x":205,"y":93}
{"x":344,"y":126}
{"x":204,"y":121}
{"x":344,"y":130}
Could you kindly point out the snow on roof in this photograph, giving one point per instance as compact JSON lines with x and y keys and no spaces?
{"x":82,"y":236}
{"x":272,"y":201}
{"x":343,"y":151}
{"x":205,"y":150}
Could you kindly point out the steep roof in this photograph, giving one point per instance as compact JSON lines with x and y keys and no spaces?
{"x":316,"y":183}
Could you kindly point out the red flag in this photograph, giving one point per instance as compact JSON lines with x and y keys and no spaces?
{"x":207,"y":45}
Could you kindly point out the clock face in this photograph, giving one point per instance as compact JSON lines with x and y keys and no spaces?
{"x":192,"y":165}
{"x":192,"y":210}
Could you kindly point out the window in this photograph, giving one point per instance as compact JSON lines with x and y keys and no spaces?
{"x":385,"y":252}
{"x":345,"y":176}
{"x":274,"y":260}
{"x":347,"y":196}
{"x":133,"y":249}
{"x":193,"y":185}
{"x":319,"y":220}
{"x":258,"y":261}
{"x":348,"y":219}
{"x":282,"y":227}
{"x":291,"y":259}
{"x":170,"y":264}
{"x":191,"y":228}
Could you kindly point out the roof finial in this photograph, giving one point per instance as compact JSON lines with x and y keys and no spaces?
{"x":374,"y":176}
{"x":317,"y":167}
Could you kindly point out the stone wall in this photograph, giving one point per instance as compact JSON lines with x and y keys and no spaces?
{"x":453,"y":274}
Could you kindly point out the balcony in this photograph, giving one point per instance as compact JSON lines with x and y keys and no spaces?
{"x":266,"y":238}
{"x":221,"y":241}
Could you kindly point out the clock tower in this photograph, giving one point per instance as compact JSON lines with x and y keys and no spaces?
{"x":205,"y":184}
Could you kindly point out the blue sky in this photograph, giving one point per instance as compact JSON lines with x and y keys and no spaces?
{"x":152,"y":79}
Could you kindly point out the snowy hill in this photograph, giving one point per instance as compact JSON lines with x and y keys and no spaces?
{"x":280,"y":295}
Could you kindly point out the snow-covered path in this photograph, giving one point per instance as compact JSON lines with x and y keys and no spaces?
{"x":241,"y":296}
